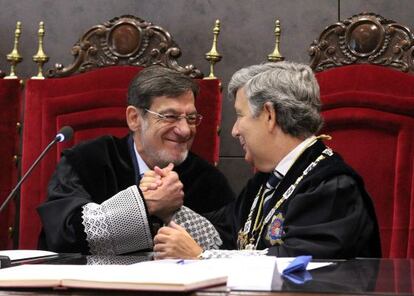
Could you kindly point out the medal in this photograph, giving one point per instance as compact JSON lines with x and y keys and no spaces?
{"x":275,"y":230}
{"x":249,"y":237}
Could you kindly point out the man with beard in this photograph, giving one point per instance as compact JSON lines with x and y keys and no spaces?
{"x":95,"y":204}
{"x":304,"y":199}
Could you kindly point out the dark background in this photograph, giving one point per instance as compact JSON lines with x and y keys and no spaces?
{"x":247,"y":36}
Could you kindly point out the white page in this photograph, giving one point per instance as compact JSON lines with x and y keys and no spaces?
{"x":244,"y":272}
{"x":253,"y":273}
{"x":25,"y":254}
{"x":103,"y":276}
{"x":36,"y":275}
{"x":162,"y":275}
{"x":283,"y":262}
{"x":260,"y":273}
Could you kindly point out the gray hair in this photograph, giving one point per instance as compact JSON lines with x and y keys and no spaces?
{"x":291,"y":88}
{"x":157,"y":81}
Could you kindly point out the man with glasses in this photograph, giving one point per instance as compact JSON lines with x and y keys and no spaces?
{"x":304,"y":199}
{"x":99,"y":202}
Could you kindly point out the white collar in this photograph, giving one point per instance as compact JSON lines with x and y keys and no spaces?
{"x":141,"y":163}
{"x":284,"y":165}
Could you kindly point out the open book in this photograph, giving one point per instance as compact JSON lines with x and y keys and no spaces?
{"x":169,"y":275}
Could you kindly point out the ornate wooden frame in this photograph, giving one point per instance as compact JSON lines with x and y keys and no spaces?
{"x":124,"y":40}
{"x":366,"y":38}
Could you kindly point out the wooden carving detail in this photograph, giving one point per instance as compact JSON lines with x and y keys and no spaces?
{"x":365,"y":38}
{"x":125,"y":40}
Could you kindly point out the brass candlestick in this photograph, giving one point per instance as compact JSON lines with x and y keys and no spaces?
{"x":40,"y":57}
{"x":14,"y":57}
{"x":275,"y":56}
{"x":213,"y":56}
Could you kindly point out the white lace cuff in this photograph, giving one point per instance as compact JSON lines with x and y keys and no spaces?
{"x":200,"y":229}
{"x":118,"y":225}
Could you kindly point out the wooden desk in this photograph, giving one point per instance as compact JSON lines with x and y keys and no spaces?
{"x":353,"y":277}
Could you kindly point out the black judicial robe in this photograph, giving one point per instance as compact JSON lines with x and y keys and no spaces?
{"x":96,"y":170}
{"x":329,"y":215}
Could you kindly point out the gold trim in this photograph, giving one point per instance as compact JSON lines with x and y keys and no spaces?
{"x":15,"y":159}
{"x":275,"y":56}
{"x":213,"y":56}
{"x":14,"y":56}
{"x":40,"y":57}
{"x":11,"y":232}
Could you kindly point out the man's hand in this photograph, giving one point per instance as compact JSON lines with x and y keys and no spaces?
{"x":150,"y":181}
{"x":163,"y":192}
{"x":153,"y":179}
{"x":173,"y":241}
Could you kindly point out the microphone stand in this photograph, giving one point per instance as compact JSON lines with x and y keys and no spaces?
{"x":9,"y":197}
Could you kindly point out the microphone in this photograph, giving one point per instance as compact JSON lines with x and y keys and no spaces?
{"x":64,"y":134}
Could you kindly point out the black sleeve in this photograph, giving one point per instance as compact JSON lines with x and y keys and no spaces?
{"x":220,"y":213}
{"x":222,"y":219}
{"x":61,"y":214}
{"x":62,"y":217}
{"x":329,"y":221}
{"x":207,"y":192}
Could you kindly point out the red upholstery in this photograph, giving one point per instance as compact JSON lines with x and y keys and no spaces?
{"x":94,"y":104}
{"x":369,"y":112}
{"x":393,"y":276}
{"x":10,"y":98}
{"x":207,"y":142}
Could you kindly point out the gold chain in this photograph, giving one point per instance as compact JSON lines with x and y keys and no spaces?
{"x":282,"y":199}
{"x":243,"y":234}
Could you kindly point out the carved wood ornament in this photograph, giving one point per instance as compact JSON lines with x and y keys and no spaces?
{"x":365,"y":38}
{"x":125,"y":40}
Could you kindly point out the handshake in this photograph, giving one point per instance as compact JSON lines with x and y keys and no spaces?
{"x":163,"y":192}
{"x":164,"y":195}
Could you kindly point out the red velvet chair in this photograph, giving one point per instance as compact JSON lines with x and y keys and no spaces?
{"x":90,"y":95}
{"x":365,"y":71}
{"x":10,"y":102}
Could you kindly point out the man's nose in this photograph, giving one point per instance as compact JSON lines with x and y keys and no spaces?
{"x":183,"y":128}
{"x":235,"y":130}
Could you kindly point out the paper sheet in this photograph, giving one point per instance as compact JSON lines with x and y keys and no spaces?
{"x":283,"y":262}
{"x":25,"y":254}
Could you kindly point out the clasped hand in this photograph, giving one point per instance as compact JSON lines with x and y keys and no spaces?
{"x":163,"y":192}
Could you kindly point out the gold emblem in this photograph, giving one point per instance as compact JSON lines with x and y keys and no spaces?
{"x":275,"y":230}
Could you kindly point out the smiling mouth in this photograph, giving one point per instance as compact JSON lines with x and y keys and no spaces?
{"x":179,"y":143}
{"x":242,"y":144}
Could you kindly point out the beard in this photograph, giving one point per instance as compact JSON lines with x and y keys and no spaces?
{"x":160,"y":157}
{"x":163,"y":157}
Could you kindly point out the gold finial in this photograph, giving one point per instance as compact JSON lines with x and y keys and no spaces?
{"x":11,"y":231}
{"x":213,"y":56}
{"x":40,"y":57}
{"x":14,"y":57}
{"x":275,"y":56}
{"x":18,"y":127}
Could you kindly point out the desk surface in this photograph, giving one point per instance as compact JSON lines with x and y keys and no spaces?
{"x":352,"y":277}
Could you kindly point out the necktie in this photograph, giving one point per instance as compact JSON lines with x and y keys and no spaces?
{"x":271,"y":184}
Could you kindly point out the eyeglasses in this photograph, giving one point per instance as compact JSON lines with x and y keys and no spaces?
{"x":192,"y":119}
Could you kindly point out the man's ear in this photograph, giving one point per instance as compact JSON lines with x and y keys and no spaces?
{"x":270,"y":116}
{"x":133,"y":117}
